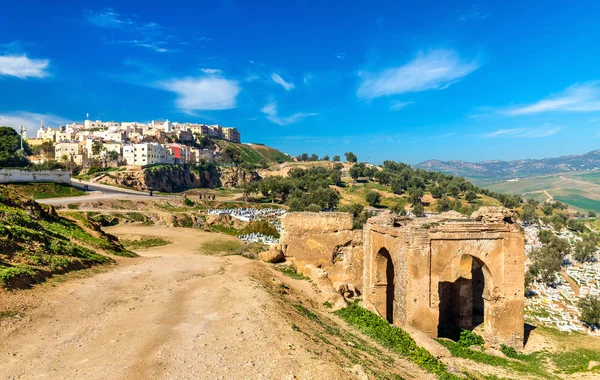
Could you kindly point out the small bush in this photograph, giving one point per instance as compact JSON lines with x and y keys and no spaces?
{"x":469,"y":338}
{"x":290,"y":271}
{"x":188,"y":202}
{"x":73,"y":206}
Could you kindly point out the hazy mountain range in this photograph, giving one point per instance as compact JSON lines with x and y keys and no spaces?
{"x":497,"y":170}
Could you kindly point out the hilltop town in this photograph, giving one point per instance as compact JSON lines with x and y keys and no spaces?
{"x":132,"y":143}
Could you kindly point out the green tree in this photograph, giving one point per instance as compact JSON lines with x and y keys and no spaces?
{"x":418,"y":210}
{"x":350,"y":157}
{"x":314,"y":157}
{"x":356,"y":172}
{"x":585,"y":249}
{"x":444,"y":204}
{"x":398,"y":208}
{"x":591,"y":214}
{"x":437,"y":192}
{"x":10,"y":149}
{"x":231,"y":155}
{"x":414,"y":195}
{"x":590,"y":310}
{"x":373,"y":198}
{"x":336,"y":158}
{"x":325,"y":158}
{"x":547,"y":209}
{"x":470,"y":196}
{"x":96,"y":148}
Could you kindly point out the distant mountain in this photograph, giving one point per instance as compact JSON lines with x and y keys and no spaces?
{"x":497,"y":170}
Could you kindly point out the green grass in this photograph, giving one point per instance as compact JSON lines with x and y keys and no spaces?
{"x":576,"y":199}
{"x":290,"y":271}
{"x":144,"y":242}
{"x":393,"y":338}
{"x":47,"y":190}
{"x":576,"y":361}
{"x":232,"y":247}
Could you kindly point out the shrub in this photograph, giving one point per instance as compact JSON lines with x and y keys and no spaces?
{"x":469,"y":338}
{"x":590,"y":310}
{"x":373,"y":198}
{"x":188,"y":202}
{"x":260,"y":226}
{"x":73,"y":206}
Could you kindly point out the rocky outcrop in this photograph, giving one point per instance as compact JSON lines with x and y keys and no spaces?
{"x":273,"y":255}
{"x":173,"y":178}
{"x":490,"y":214}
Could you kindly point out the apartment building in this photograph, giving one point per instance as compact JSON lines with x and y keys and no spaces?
{"x":147,"y":154}
{"x":231,"y":134}
{"x":69,"y":151}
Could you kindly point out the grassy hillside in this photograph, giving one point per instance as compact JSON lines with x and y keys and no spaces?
{"x":580,"y":190}
{"x":256,"y":153}
{"x":35,"y":242}
{"x":46,"y":190}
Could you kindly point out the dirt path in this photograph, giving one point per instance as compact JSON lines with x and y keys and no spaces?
{"x":170,"y":314}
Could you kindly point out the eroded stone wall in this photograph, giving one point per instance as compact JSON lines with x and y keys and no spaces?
{"x":327,"y":241}
{"x":414,"y":271}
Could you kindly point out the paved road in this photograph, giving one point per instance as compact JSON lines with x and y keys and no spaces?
{"x":99,"y":192}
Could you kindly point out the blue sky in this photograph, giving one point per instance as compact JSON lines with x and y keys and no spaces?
{"x":407,"y":81}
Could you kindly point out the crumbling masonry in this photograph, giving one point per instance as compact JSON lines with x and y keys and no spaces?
{"x":426,"y":272}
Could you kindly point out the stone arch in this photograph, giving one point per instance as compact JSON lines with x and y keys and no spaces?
{"x":464,"y":290}
{"x":384,"y":284}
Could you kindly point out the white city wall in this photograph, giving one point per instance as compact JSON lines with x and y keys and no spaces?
{"x":20,"y":175}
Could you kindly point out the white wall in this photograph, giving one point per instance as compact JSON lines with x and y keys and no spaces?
{"x":20,"y":175}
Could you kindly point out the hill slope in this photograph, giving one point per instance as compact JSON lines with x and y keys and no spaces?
{"x":256,"y":153}
{"x":497,"y":170}
{"x":35,"y":242}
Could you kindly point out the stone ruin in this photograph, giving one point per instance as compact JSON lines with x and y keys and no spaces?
{"x":425,"y":273}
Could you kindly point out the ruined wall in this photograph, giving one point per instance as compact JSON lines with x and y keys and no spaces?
{"x":324,"y":240}
{"x":433,"y":251}
{"x":418,"y":272}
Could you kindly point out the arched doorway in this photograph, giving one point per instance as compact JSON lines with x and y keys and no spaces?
{"x":461,"y":295}
{"x":384,"y":285}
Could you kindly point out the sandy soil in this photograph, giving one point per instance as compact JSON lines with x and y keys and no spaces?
{"x":173,"y":313}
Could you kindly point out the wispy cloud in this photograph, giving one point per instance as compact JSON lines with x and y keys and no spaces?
{"x":31,"y":120}
{"x":436,"y":69}
{"x":397,"y":106}
{"x":204,"y":93}
{"x":280,"y":81}
{"x":580,"y":97}
{"x":210,"y":71}
{"x":340,"y":55}
{"x":307,"y":78}
{"x":475,"y":13}
{"x":270,"y":110}
{"x":543,"y":131}
{"x":445,"y":135}
{"x":148,"y":35}
{"x":20,"y":66}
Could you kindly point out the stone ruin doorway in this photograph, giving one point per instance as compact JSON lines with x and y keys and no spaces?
{"x":461,"y":294}
{"x":384,"y":285}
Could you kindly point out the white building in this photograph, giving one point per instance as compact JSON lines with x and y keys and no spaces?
{"x":147,"y":154}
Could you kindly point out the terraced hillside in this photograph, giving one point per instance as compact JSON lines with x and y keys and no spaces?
{"x":36,"y":242}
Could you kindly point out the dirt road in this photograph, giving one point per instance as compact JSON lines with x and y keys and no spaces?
{"x":171,"y":314}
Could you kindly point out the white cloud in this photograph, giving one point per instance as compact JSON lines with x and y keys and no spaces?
{"x":436,"y":69}
{"x":397,"y":106}
{"x":475,"y":13}
{"x":340,"y":56}
{"x":31,"y":120}
{"x":149,"y":35}
{"x":22,"y":67}
{"x":307,"y":78}
{"x":543,"y":131}
{"x":203,"y":93}
{"x":270,"y":109}
{"x":280,"y":81}
{"x":580,"y":97}
{"x":211,"y":71}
